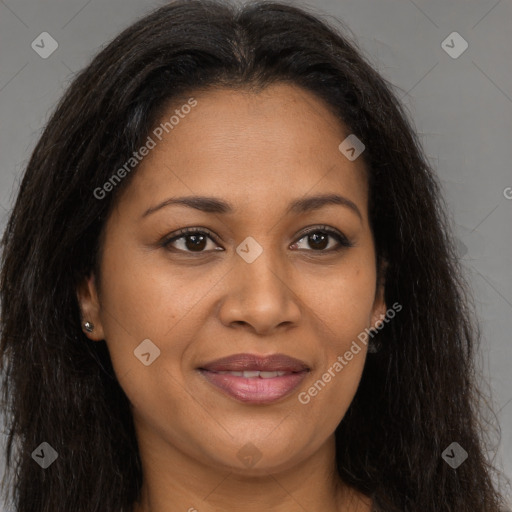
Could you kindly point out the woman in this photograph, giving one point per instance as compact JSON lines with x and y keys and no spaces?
{"x":228,"y":282}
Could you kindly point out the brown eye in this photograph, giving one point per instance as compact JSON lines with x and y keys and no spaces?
{"x":195,"y":242}
{"x":191,"y":240}
{"x":318,"y":240}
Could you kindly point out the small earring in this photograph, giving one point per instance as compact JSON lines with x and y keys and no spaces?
{"x":374,"y":345}
{"x":89,"y":326}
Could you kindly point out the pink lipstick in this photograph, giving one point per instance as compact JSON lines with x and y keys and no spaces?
{"x":255,"y":379}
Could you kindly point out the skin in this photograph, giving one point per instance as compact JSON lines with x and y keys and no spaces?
{"x":257,"y":151}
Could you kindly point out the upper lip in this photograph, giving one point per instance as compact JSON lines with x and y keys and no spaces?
{"x":256,"y":362}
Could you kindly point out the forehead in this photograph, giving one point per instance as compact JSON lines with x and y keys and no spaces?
{"x":253,"y":148}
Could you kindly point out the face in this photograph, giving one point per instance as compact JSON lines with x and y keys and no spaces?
{"x":266,"y":271}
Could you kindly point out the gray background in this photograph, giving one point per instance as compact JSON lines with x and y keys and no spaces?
{"x":461,"y":107}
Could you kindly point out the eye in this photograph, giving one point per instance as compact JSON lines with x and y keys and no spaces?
{"x":318,"y":239}
{"x":195,"y":240}
{"x":191,"y":240}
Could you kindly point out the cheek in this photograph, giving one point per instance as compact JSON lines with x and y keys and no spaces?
{"x":335,"y":384}
{"x":144,"y":301}
{"x":342,"y":317}
{"x":343,"y":301}
{"x":134,"y":305}
{"x":141,"y":300}
{"x":343,"y":307}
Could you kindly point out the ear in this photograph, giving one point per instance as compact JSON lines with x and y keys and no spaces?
{"x":87,"y":295}
{"x":379,"y":305}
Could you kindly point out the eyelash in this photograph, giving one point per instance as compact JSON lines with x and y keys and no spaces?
{"x":341,"y":239}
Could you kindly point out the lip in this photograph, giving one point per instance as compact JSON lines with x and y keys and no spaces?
{"x":256,"y":362}
{"x":255,"y":390}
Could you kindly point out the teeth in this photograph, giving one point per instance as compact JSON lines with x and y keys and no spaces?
{"x":268,"y":375}
{"x":250,"y":375}
{"x":256,"y":374}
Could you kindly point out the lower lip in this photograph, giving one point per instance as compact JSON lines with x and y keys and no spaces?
{"x":255,"y":390}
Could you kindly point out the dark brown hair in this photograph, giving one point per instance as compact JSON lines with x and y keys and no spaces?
{"x":417,"y":395}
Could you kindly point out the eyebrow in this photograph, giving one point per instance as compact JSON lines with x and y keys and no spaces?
{"x":215,"y":205}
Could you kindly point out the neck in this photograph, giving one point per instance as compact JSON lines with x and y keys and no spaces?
{"x":174,"y":481}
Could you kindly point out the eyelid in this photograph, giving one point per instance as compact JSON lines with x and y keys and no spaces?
{"x":320,"y":227}
{"x":343,"y":241}
{"x":185,"y":231}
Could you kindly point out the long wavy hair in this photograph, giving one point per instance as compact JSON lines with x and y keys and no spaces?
{"x":417,"y":395}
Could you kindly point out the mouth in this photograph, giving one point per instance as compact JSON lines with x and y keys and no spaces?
{"x":255,"y":379}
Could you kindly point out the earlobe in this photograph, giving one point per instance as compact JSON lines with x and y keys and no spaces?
{"x":379,"y":309}
{"x":379,"y":305}
{"x":88,"y":302}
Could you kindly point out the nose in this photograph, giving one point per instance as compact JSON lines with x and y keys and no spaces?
{"x":260,"y":296}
